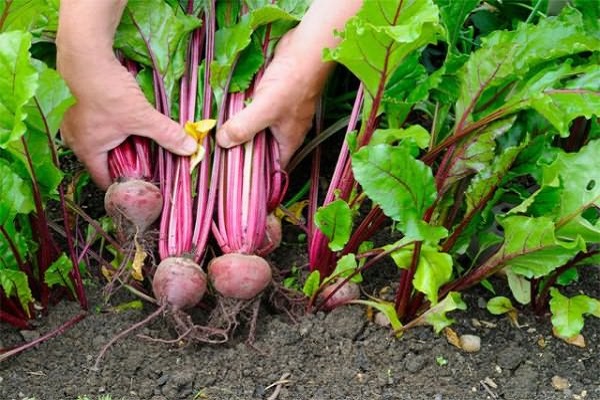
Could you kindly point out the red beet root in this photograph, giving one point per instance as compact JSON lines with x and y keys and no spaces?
{"x":179,"y":282}
{"x":239,"y":276}
{"x":134,"y":204}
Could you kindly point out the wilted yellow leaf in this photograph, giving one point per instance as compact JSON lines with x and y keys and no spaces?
{"x":577,"y":340}
{"x":138,"y":262}
{"x":198,"y":130}
{"x":452,"y":337}
{"x":292,"y":214}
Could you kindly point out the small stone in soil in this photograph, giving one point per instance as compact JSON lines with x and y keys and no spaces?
{"x":29,"y":335}
{"x":470,"y":343}
{"x":560,"y":383}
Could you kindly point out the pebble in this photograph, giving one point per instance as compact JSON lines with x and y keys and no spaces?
{"x":382,"y":319}
{"x":560,"y":383}
{"x":29,"y":335}
{"x":470,"y":343}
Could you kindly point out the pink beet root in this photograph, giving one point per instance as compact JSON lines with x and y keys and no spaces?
{"x":273,"y":234}
{"x":239,"y":276}
{"x":179,"y":282}
{"x":133,"y":204}
{"x":347,"y":292}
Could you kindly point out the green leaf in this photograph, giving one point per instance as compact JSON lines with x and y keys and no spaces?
{"x":414,"y":133}
{"x":568,"y":313}
{"x":478,"y":153}
{"x":381,"y":35}
{"x":577,"y":173}
{"x":454,"y":14}
{"x":510,"y":55}
{"x":335,"y":221}
{"x":18,"y":83}
{"x":436,"y":315}
{"x":15,"y":194}
{"x":153,"y":26}
{"x":401,"y":185}
{"x":433,"y":270}
{"x":15,"y":283}
{"x":520,"y":287}
{"x":312,"y":284}
{"x":58,"y":273}
{"x":250,"y":61}
{"x":530,"y":247}
{"x":345,"y":267}
{"x":386,"y":309}
{"x":567,"y":277}
{"x":231,"y":41}
{"x":499,"y":305}
{"x":38,"y":17}
{"x":52,"y":99}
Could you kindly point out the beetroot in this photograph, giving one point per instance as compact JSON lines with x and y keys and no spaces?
{"x":179,"y":282}
{"x":347,"y":292}
{"x":133,"y":204}
{"x":239,"y":276}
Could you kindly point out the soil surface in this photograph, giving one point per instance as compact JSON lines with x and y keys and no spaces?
{"x":336,"y":355}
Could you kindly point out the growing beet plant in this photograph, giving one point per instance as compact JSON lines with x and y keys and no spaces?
{"x":35,"y":270}
{"x":500,"y":176}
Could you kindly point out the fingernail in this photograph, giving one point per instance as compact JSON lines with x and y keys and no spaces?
{"x":190,"y":145}
{"x":223,"y":140}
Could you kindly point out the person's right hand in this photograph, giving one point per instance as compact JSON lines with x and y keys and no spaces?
{"x":110,"y":107}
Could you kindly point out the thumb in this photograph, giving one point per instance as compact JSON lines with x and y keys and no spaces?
{"x":167,"y":133}
{"x":242,"y":127}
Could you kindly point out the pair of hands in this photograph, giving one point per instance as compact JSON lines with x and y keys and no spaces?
{"x":110,"y":105}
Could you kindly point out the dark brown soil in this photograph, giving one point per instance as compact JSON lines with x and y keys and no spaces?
{"x":339,"y":355}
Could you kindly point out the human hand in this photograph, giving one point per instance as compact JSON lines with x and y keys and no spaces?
{"x":110,"y":107}
{"x":285,"y":99}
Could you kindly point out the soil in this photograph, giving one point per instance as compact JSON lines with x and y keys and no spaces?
{"x":336,"y":355}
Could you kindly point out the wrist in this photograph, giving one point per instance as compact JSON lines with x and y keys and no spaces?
{"x":88,"y":26}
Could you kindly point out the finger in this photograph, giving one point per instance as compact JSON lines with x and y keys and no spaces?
{"x":97,"y":166}
{"x":167,"y":133}
{"x":244,"y":125}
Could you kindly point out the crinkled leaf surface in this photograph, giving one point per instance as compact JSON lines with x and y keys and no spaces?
{"x":18,"y":83}
{"x":335,"y":221}
{"x":34,"y":16}
{"x":478,"y":153}
{"x":568,"y":313}
{"x":510,"y":55}
{"x":578,"y":175}
{"x":454,"y":14}
{"x":531,"y":248}
{"x":381,"y":35}
{"x":401,"y":185}
{"x":15,"y":283}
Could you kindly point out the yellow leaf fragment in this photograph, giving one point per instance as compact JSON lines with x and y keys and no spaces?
{"x":198,"y":130}
{"x":106,"y":273}
{"x":577,"y":340}
{"x":452,"y":337}
{"x":292,"y":214}
{"x":138,"y":262}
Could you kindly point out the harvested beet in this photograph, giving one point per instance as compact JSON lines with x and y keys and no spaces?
{"x":239,"y":276}
{"x":179,"y":282}
{"x":133,"y":204}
